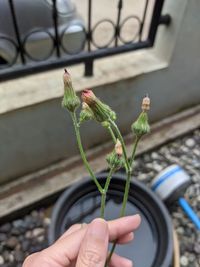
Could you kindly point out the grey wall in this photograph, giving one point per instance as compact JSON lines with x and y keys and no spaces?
{"x":34,"y":137}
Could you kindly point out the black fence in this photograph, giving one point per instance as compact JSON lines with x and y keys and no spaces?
{"x":43,"y":34}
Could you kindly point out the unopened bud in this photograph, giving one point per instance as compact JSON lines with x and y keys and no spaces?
{"x":101,"y":111}
{"x":70,"y":99}
{"x":141,"y":125}
{"x":115,"y":161}
{"x":145,"y":103}
{"x":86,"y":113}
{"x":118,"y":148}
{"x":105,"y":124}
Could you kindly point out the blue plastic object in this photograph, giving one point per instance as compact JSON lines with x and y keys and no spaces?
{"x":189,"y":211}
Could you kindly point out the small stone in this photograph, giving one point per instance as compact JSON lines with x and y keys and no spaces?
{"x":157,"y":167}
{"x":190,"y":142}
{"x":6,"y":255}
{"x":184,"y":260}
{"x":28,"y":235}
{"x":25,"y":245}
{"x":11,"y":258}
{"x":11,"y":242}
{"x":3,"y":237}
{"x":1,"y":260}
{"x":155,"y":156}
{"x":197,"y":248}
{"x":46,"y":221}
{"x":5,"y":228}
{"x":40,"y":239}
{"x":19,"y":256}
{"x":180,"y":230}
{"x":15,"y":231}
{"x":34,"y":214}
{"x":18,"y":223}
{"x":38,"y":232}
{"x":196,"y":152}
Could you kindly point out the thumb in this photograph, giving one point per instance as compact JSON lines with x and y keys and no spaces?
{"x":93,"y":250}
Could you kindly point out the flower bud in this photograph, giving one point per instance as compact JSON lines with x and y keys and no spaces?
{"x":105,"y":124}
{"x":86,"y":113}
{"x":70,"y":99}
{"x":118,"y":148}
{"x":145,"y":103}
{"x":141,"y":125}
{"x":101,"y":111}
{"x":115,"y":159}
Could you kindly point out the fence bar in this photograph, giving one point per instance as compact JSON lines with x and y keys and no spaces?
{"x":117,"y":28}
{"x":80,"y":58}
{"x":55,"y":22}
{"x":143,"y":20}
{"x":155,"y":20}
{"x":89,"y":33}
{"x":89,"y":62}
{"x":16,"y":28}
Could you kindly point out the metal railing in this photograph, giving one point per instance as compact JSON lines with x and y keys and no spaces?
{"x":17,"y":46}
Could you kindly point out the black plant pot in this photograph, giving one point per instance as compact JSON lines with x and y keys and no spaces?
{"x":153,"y":242}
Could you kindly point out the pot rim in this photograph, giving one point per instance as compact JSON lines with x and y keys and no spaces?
{"x":120,"y":177}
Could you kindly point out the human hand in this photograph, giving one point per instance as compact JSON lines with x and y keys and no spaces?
{"x":85,"y":245}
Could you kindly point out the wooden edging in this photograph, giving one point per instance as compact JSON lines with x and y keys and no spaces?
{"x":34,"y":189}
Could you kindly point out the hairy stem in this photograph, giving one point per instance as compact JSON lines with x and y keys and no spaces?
{"x":105,"y":190}
{"x":122,"y":213}
{"x":82,"y":152}
{"x":137,"y":139}
{"x":112,"y":134}
{"x":117,"y":131}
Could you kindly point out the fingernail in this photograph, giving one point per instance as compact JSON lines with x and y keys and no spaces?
{"x":138,"y":217}
{"x":127,"y":263}
{"x":98,"y":228}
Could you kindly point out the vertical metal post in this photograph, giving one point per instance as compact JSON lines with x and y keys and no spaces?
{"x":14,"y":19}
{"x":155,"y":20}
{"x":89,"y":62}
{"x":55,"y":22}
{"x":143,"y":19}
{"x":117,"y":28}
{"x":89,"y":68}
{"x":89,"y":33}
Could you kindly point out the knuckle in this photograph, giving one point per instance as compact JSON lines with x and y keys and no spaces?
{"x":91,"y":258}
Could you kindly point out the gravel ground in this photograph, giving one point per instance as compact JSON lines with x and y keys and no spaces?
{"x":26,"y":235}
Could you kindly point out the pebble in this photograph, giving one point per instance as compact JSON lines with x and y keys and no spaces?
{"x":46,"y":221}
{"x":184,"y":261}
{"x":5,"y":228}
{"x":197,"y":248}
{"x":3,"y":237}
{"x":11,"y":242}
{"x":1,"y":260}
{"x":38,"y":232}
{"x":190,"y":143}
{"x":19,"y":256}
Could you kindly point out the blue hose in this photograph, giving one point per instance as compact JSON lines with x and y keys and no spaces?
{"x":189,"y":211}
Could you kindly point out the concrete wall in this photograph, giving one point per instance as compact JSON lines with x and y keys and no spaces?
{"x":34,"y":137}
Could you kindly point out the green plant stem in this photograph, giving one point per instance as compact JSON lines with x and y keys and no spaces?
{"x":125,"y":198}
{"x":105,"y":190}
{"x":122,"y":213}
{"x":137,"y":139}
{"x":117,"y":131}
{"x":78,"y":137}
{"x":112,"y":134}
